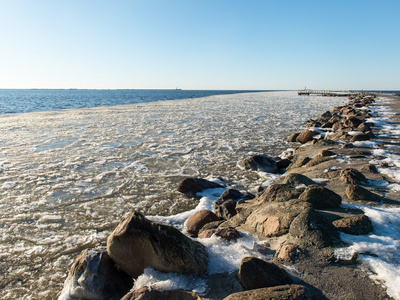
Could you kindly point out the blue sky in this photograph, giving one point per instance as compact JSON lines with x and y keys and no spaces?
{"x":203,"y":44}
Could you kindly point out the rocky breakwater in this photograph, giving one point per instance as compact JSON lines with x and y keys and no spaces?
{"x":297,"y":220}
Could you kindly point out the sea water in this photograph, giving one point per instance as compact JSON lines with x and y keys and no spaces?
{"x":68,"y":176}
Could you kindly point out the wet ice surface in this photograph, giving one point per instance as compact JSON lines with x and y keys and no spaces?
{"x":67,"y":177}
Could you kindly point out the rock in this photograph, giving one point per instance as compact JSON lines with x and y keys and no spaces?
{"x":369,"y":168}
{"x":295,"y":179}
{"x":198,"y":220}
{"x":255,"y":273}
{"x":279,"y":193}
{"x":309,"y":228}
{"x":321,"y":197}
{"x":274,"y":219}
{"x":225,"y":206}
{"x":306,"y":136}
{"x":352,"y":176}
{"x":287,"y":252}
{"x":317,"y":161}
{"x":292,"y":138}
{"x":95,"y":276}
{"x":283,"y":292}
{"x":283,"y":163}
{"x":225,"y":233}
{"x":313,"y":123}
{"x":262,"y":163}
{"x":211,"y":225}
{"x":364,"y":127}
{"x":352,"y":122}
{"x":137,"y":243}
{"x":326,"y":153}
{"x":337,"y":126}
{"x":299,"y":161}
{"x":326,"y":116}
{"x":360,"y":137}
{"x":357,"y":225}
{"x":356,"y":192}
{"x":145,"y":293}
{"x":192,"y":186}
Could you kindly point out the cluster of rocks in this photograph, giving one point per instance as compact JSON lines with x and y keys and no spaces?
{"x":298,"y":217}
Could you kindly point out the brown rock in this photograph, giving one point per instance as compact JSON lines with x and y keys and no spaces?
{"x":287,"y":252}
{"x":369,"y":168}
{"x":292,"y":138}
{"x":262,"y":163}
{"x":225,"y":233}
{"x":356,"y":192}
{"x":306,"y":136}
{"x":317,"y":161}
{"x":255,"y":273}
{"x":357,"y":225}
{"x":192,"y":186}
{"x":95,"y":276}
{"x":352,"y":122}
{"x":321,"y":197}
{"x":279,"y":193}
{"x":137,"y":243}
{"x":274,"y":218}
{"x":145,"y":293}
{"x":325,"y":153}
{"x":360,"y":137}
{"x":352,"y":176}
{"x":283,"y":292}
{"x":198,"y":220}
{"x":309,"y":228}
{"x":295,"y":179}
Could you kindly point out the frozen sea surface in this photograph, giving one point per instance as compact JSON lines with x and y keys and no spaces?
{"x":67,"y":177}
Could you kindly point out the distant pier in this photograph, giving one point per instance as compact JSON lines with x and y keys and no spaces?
{"x":328,"y":93}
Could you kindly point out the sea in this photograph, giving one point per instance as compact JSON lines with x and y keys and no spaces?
{"x":74,"y":162}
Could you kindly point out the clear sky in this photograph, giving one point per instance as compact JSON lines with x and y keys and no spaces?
{"x":200,"y":44}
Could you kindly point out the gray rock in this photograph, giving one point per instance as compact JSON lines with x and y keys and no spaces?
{"x":146,"y":293}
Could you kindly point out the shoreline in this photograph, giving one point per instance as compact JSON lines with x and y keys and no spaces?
{"x":314,"y":266}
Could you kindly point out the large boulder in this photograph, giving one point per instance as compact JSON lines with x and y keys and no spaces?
{"x":274,"y":219}
{"x":255,"y":273}
{"x":95,"y":276}
{"x":137,"y":243}
{"x":261,"y":163}
{"x":279,"y":193}
{"x":357,"y":225}
{"x":321,"y":197}
{"x":309,"y":228}
{"x":306,"y":136}
{"x":146,"y":293}
{"x":198,"y":220}
{"x":295,"y":179}
{"x":192,"y":186}
{"x":292,"y":138}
